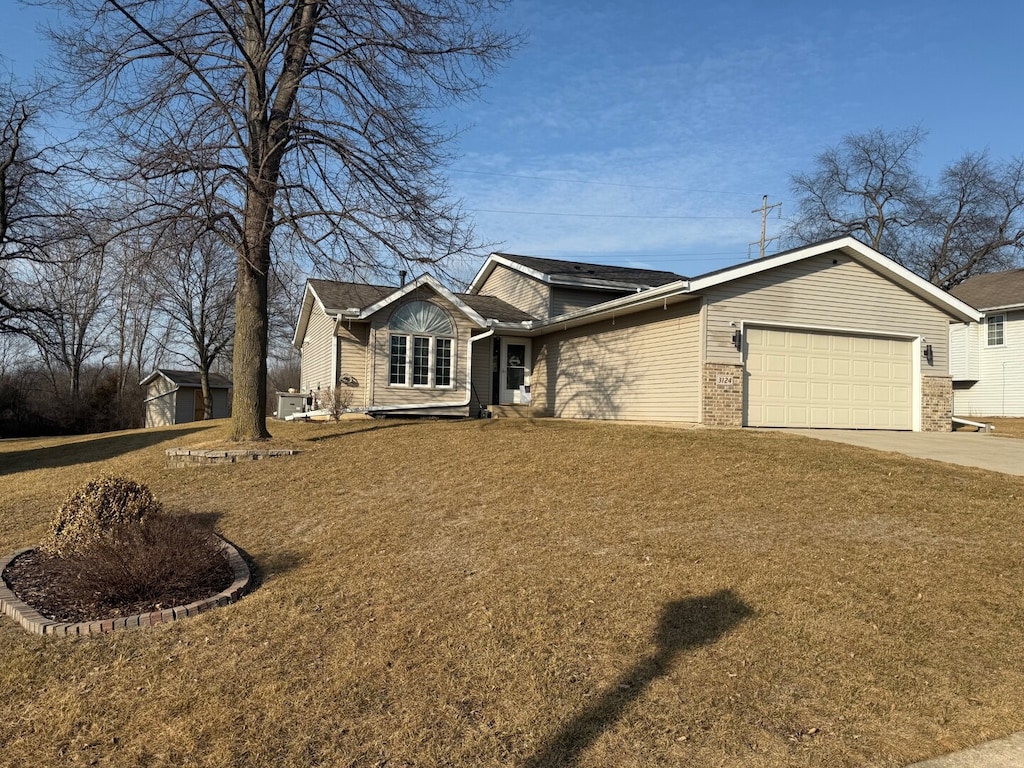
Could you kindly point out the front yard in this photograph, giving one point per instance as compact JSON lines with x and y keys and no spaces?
{"x":516,"y":593}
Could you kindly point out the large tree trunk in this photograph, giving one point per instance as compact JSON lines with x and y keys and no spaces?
{"x":204,"y":384}
{"x":249,"y":404}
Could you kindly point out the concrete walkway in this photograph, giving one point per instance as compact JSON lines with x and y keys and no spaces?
{"x":971,"y":449}
{"x":1002,"y":753}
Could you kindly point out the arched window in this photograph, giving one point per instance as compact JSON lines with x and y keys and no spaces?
{"x":421,"y":346}
{"x":422,"y":317}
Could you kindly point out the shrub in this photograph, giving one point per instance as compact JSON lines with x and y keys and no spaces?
{"x":165,"y":560}
{"x":96,"y":507}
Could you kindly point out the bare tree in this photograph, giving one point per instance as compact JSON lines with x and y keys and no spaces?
{"x":194,"y":282}
{"x":867,"y":186}
{"x":70,"y":289}
{"x":25,"y":175}
{"x":309,"y":114}
{"x":135,"y":335}
{"x":971,"y":220}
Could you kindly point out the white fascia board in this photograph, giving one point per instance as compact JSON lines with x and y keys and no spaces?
{"x":152,"y":377}
{"x":492,"y":261}
{"x":309,"y":297}
{"x":484,"y":273}
{"x":429,"y":281}
{"x":857,"y":250}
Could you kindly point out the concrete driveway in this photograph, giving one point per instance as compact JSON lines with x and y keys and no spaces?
{"x":970,"y":449}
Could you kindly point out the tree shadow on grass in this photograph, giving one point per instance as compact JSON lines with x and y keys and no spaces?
{"x":270,"y":565}
{"x":82,"y":450}
{"x":375,"y":427}
{"x":684,"y":625}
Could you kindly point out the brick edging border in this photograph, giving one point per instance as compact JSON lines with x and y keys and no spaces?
{"x":191,"y":457}
{"x":33,"y":621}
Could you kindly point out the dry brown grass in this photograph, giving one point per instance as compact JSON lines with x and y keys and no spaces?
{"x":542,"y":594}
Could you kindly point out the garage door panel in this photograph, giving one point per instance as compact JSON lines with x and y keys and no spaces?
{"x":811,"y":379}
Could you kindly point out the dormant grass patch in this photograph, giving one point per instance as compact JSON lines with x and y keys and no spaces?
{"x":517,"y":593}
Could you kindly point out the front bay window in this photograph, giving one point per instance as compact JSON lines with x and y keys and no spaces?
{"x":420,"y":352}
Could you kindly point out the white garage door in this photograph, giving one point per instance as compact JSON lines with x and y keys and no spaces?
{"x":813,"y":379}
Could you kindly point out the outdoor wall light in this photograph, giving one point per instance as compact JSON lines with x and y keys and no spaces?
{"x":737,"y":339}
{"x":928,"y":353}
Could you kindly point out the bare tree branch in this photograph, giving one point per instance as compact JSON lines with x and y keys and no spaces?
{"x":307,"y":117}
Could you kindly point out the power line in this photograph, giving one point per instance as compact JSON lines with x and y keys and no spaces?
{"x":596,"y":183}
{"x":606,"y":215}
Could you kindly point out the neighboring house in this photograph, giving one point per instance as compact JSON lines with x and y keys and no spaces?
{"x":829,"y":335}
{"x":987,"y":357}
{"x":175,"y":397}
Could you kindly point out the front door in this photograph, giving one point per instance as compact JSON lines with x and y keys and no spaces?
{"x":514,"y":373}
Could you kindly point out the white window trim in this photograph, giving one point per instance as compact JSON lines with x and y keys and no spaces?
{"x":1002,"y":330}
{"x":410,"y":346}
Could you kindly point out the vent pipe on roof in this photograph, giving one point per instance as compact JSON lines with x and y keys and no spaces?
{"x":401,"y":278}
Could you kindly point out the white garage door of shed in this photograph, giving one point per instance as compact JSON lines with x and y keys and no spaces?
{"x":812,"y":379}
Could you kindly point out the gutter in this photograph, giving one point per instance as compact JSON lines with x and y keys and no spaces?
{"x":456,"y":404}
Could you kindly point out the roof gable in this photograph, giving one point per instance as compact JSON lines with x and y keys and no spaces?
{"x":996,"y":290}
{"x":431,"y":283}
{"x":859,"y":252}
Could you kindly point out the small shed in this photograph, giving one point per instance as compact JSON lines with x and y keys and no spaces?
{"x":176,"y":397}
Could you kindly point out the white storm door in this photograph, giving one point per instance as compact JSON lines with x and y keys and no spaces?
{"x":514,"y":371}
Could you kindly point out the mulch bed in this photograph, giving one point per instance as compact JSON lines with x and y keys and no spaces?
{"x":40,"y":580}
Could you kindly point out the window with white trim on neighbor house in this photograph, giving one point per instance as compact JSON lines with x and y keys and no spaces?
{"x":994,"y":324}
{"x":421,"y":346}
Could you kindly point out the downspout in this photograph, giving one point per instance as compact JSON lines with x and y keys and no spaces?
{"x":469,"y":383}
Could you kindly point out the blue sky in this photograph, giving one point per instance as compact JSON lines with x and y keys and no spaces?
{"x":646,"y":133}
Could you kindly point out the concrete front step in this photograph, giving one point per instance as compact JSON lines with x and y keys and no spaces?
{"x":509,"y":411}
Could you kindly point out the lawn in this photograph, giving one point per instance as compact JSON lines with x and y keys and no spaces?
{"x":519,"y":593}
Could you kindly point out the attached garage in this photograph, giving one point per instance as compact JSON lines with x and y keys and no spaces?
{"x":824,"y":379}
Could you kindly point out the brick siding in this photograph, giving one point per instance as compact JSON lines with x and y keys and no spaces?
{"x":722,"y":395}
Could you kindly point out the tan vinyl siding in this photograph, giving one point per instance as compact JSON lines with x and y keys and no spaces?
{"x":317,"y":352}
{"x":522,"y":292}
{"x":815,"y":293}
{"x":384,"y":393}
{"x":565,"y":300}
{"x":158,"y":386}
{"x":352,"y":343}
{"x":644,"y":366}
{"x":160,"y":410}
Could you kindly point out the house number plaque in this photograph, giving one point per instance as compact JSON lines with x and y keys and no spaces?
{"x":724,"y":379}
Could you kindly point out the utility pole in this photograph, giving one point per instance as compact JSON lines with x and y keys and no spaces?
{"x":763,"y":210}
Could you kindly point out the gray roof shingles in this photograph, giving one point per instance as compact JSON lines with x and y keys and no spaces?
{"x":996,"y":289}
{"x":339,"y":295}
{"x":191,"y":378}
{"x":579,"y":269}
